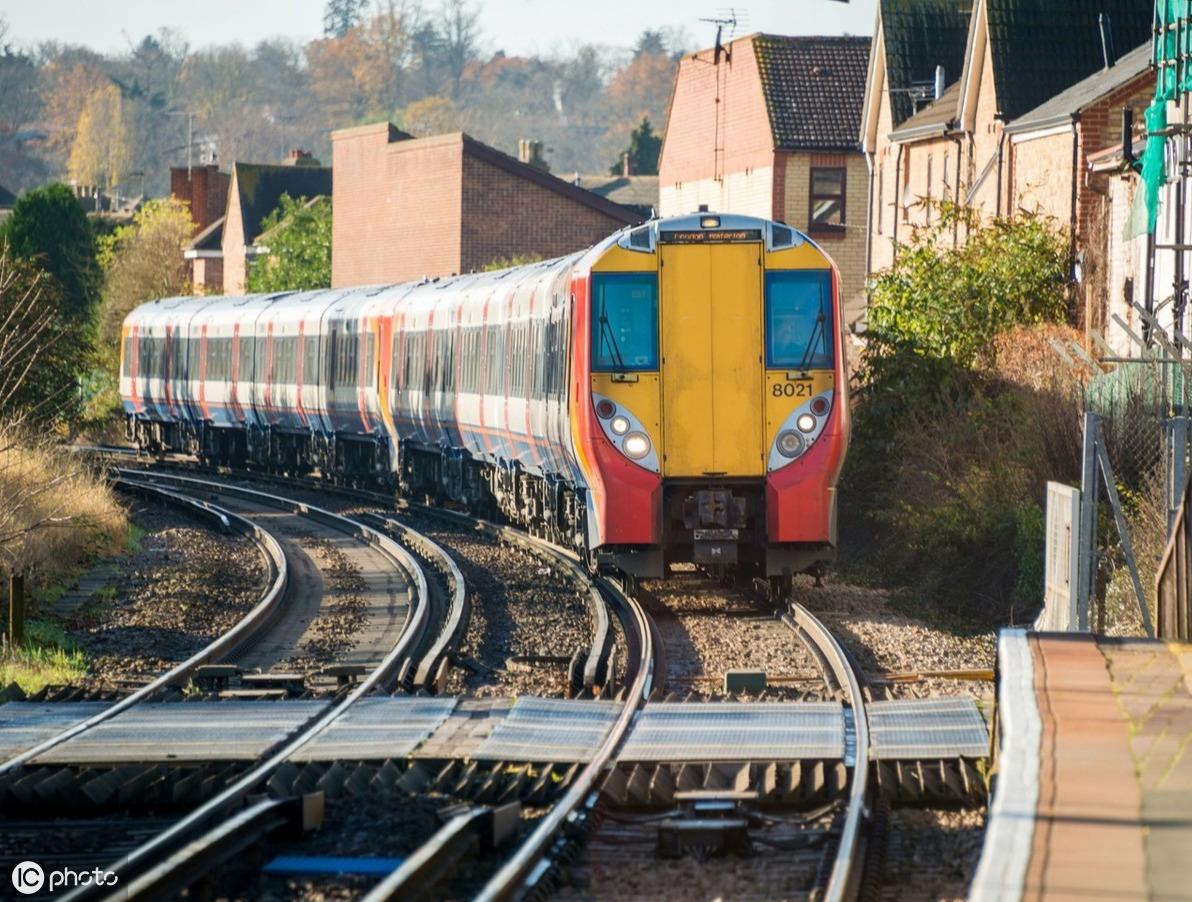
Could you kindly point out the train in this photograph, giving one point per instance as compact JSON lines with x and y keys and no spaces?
{"x":675,"y":394}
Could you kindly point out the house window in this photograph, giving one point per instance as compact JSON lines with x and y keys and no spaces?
{"x":827,"y":199}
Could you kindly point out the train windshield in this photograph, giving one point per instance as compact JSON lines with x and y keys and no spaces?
{"x":624,"y":322}
{"x":799,"y":319}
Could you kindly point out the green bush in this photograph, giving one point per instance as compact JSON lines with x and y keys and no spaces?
{"x":962,"y":417}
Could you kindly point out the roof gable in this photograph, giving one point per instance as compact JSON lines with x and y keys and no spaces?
{"x":918,"y":36}
{"x":1041,"y":47}
{"x":259,"y":188}
{"x":814,"y":88}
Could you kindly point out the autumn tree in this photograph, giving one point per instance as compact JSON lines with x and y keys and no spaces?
{"x":644,"y":148}
{"x":142,"y":261}
{"x":298,"y":236}
{"x":102,"y":153}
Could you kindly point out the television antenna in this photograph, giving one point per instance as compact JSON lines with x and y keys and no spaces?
{"x":720,"y":21}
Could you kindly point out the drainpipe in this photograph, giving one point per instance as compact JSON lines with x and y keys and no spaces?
{"x":869,"y":216}
{"x":959,"y":142}
{"x":897,"y":185}
{"x":1001,"y":141}
{"x":1075,"y":185}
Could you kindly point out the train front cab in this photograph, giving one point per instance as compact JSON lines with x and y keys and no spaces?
{"x":717,"y":397}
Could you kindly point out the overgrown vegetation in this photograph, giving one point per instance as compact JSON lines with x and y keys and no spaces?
{"x":963,"y":414}
{"x":56,"y":513}
{"x":298,"y":235}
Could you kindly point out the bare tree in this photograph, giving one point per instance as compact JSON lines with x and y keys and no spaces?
{"x":459,"y":31}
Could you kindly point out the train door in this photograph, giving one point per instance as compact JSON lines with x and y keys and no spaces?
{"x":711,"y":312}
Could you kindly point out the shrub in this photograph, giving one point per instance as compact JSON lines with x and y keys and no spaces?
{"x":964,"y":412}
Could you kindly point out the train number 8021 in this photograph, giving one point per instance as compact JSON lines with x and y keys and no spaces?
{"x":791,"y":389}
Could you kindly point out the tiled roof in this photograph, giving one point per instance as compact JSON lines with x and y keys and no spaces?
{"x":1041,"y":47}
{"x":920,"y":35}
{"x":1063,"y":105}
{"x":639,"y":192}
{"x":260,"y":188}
{"x":934,"y":119}
{"x":814,"y":89}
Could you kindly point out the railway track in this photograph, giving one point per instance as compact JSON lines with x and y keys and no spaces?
{"x":166,"y":858}
{"x":551,"y":835}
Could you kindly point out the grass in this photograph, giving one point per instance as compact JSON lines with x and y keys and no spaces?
{"x":48,"y":658}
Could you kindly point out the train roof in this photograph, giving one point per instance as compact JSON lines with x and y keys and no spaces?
{"x":642,"y":238}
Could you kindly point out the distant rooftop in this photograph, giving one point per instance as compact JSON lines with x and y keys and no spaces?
{"x":814,"y":88}
{"x":638,"y":192}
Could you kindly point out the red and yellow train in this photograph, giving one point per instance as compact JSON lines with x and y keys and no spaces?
{"x":676,"y":393}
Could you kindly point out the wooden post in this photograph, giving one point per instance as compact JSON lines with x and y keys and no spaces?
{"x":16,"y":610}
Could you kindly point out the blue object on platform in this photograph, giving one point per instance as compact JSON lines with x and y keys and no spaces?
{"x":294,"y":865}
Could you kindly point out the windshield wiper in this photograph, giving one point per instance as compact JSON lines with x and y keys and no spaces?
{"x":610,"y":339}
{"x":817,"y":329}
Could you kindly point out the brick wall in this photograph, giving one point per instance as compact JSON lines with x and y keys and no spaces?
{"x":1040,"y":176}
{"x":412,"y":207}
{"x":207,"y":275}
{"x":397,"y":206}
{"x":205,"y":191}
{"x":506,"y":214}
{"x":235,"y":263}
{"x":846,"y":247}
{"x":984,"y":143}
{"x":697,"y":125}
{"x":749,"y":192}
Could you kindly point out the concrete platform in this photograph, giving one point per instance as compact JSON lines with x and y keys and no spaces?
{"x":1093,"y":797}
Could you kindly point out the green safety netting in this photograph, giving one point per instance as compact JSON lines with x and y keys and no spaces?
{"x":1173,"y":41}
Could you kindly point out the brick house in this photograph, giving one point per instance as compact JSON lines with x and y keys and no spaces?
{"x":410,"y":207}
{"x":221,"y":253}
{"x":1017,"y":55}
{"x":1123,"y":281}
{"x":204,"y":189}
{"x":767,"y":126}
{"x":1048,"y":168}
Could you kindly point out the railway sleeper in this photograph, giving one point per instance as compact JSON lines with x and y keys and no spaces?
{"x":950,"y":782}
{"x":797,"y":784}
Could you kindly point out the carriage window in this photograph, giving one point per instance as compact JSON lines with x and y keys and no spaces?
{"x":799,"y":319}
{"x":246,"y":354}
{"x":624,"y":322}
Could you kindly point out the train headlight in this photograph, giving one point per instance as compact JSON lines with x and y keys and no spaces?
{"x":619,"y":425}
{"x":636,"y":445}
{"x":805,"y":422}
{"x":605,"y":408}
{"x":790,"y":444}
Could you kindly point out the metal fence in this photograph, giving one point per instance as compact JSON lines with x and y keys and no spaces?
{"x":1140,"y":458}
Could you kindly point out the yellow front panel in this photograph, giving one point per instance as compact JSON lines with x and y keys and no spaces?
{"x":637,"y":393}
{"x":788,"y":390}
{"x":711,"y":300}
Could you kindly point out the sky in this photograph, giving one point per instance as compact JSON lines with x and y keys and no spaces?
{"x":519,"y":27}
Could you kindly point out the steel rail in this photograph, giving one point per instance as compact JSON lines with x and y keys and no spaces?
{"x":242,"y":632}
{"x":212,"y":813}
{"x":602,"y":634}
{"x":456,"y":621}
{"x":531,"y":860}
{"x":842,"y":880}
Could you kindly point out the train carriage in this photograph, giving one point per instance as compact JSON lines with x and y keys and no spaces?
{"x":676,"y":393}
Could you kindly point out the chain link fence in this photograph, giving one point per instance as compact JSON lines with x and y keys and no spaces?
{"x":1143,"y":405}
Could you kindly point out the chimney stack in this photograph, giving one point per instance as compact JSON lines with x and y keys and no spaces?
{"x":626,"y":164}
{"x":939,"y":82}
{"x":300,"y":158}
{"x":529,"y":152}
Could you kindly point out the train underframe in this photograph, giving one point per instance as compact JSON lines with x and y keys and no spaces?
{"x":719,"y":525}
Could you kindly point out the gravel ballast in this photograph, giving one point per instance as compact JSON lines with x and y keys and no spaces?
{"x":182,"y":588}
